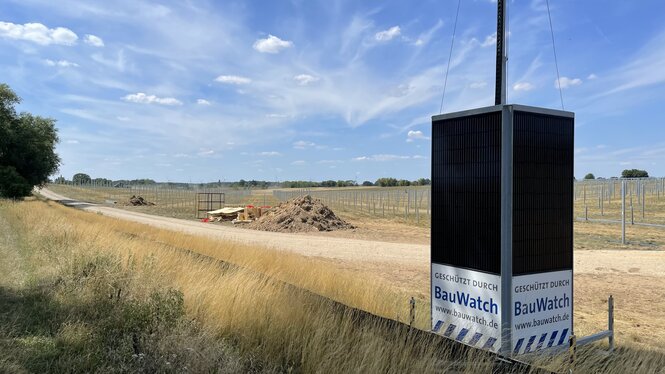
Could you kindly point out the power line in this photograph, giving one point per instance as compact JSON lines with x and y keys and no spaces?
{"x":556,"y":63}
{"x":450,"y":55}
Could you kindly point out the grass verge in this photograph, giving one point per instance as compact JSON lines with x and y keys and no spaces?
{"x":117,"y":296}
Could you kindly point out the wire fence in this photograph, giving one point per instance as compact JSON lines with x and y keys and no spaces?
{"x":594,"y":200}
{"x":601,"y":200}
{"x":163,"y":196}
{"x":408,"y":203}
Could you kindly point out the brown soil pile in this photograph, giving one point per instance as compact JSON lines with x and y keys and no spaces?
{"x":138,"y":201}
{"x":302,"y":214}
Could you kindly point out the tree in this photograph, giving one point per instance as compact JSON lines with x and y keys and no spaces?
{"x":422,"y":182}
{"x":589,"y":176}
{"x":60,"y":180}
{"x":81,"y":178}
{"x":386,"y":182}
{"x":634,"y":173}
{"x":27,"y":148}
{"x":367,"y":183}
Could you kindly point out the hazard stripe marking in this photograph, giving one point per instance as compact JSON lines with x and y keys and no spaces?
{"x":475,"y":339}
{"x":462,"y":334}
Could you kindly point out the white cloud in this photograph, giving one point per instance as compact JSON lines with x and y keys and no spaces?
{"x":415,"y":135}
{"x":61,"y":63}
{"x":270,"y":153}
{"x":330,"y":162}
{"x":206,"y":152}
{"x":93,"y":40}
{"x":276,"y":115}
{"x":72,"y":141}
{"x":425,"y":37}
{"x":38,"y":33}
{"x":591,"y":77}
{"x":478,"y":85}
{"x":302,"y":144}
{"x":567,"y":82}
{"x":523,"y":86}
{"x":202,"y":102}
{"x":142,"y":98}
{"x":121,"y":118}
{"x":299,"y":162}
{"x":385,"y":157}
{"x":489,"y":40}
{"x":233,"y":79}
{"x":271,"y":44}
{"x":305,"y":79}
{"x":386,"y":35}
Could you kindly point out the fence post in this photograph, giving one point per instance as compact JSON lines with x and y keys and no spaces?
{"x":584,"y":193}
{"x":643,"y":196}
{"x":632,"y":215}
{"x":406,"y":206}
{"x":417,"y":211}
{"x":610,"y":321}
{"x":586,"y":213}
{"x":623,"y":212}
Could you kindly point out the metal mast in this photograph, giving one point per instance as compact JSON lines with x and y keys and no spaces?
{"x":501,"y":58}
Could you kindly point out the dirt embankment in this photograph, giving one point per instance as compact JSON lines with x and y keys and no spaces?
{"x":302,"y":214}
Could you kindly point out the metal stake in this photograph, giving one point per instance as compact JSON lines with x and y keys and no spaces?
{"x":623,"y":212}
{"x":610,"y":321}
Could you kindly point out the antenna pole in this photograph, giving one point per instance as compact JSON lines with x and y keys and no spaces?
{"x":501,"y":58}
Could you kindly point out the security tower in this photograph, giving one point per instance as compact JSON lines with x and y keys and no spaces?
{"x":502,"y":223}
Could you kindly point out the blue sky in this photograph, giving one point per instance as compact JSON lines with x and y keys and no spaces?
{"x":276,"y":90}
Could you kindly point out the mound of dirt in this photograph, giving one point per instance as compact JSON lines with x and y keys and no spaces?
{"x":302,"y":214}
{"x":138,"y":201}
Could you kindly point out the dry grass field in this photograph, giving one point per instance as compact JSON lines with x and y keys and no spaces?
{"x":83,"y":292}
{"x":277,"y":328}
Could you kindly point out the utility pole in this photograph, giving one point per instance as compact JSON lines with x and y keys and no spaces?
{"x":501,"y":58}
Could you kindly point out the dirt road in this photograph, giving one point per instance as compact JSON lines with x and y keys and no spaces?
{"x":353,"y":253}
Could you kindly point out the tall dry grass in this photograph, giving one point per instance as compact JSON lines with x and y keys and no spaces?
{"x":256,"y":301}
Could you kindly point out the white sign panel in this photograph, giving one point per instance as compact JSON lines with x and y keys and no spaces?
{"x":466,"y":306}
{"x":542,"y":310}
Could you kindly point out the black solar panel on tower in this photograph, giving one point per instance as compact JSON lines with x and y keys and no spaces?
{"x":466,"y":189}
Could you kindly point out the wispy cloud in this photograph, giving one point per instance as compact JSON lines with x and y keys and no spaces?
{"x":93,"y":40}
{"x":386,"y":157}
{"x":425,"y":37}
{"x":142,"y":98}
{"x":523,"y":86}
{"x":412,"y":136}
{"x":387,"y":35}
{"x":270,"y":153}
{"x":645,"y":69}
{"x":303,"y":144}
{"x":61,"y":63}
{"x":305,"y":79}
{"x":203,"y":102}
{"x":233,"y":79}
{"x":489,"y":41}
{"x":566,"y":82}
